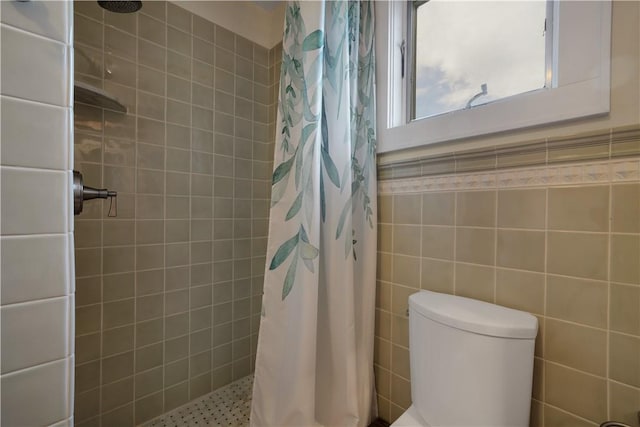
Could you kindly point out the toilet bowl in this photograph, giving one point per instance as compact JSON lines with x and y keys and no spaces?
{"x":471,"y":363}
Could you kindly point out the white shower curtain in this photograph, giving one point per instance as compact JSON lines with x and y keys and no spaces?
{"x":314,"y":363}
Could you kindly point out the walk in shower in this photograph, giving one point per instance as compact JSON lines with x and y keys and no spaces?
{"x":168,"y":292}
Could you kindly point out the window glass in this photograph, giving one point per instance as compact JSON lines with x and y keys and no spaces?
{"x":468,"y":53}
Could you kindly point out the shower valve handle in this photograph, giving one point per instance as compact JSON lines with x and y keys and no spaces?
{"x":82,"y":192}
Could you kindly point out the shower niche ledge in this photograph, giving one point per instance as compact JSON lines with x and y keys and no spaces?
{"x":92,"y":95}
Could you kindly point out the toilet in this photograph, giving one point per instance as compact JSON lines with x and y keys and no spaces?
{"x":471,"y":363}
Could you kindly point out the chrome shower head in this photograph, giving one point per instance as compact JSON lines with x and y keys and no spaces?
{"x":121,"y":6}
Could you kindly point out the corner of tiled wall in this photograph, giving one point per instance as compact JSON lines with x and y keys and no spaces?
{"x":36,"y":243}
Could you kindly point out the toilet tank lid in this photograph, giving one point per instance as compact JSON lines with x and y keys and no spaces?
{"x":474,"y":316}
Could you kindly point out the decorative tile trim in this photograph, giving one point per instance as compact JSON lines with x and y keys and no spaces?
{"x":602,"y":145}
{"x":602,"y":172}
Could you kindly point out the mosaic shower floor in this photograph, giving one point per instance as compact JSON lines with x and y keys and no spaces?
{"x":228,"y":406}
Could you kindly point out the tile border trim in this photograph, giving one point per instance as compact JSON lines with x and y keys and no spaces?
{"x":606,"y":144}
{"x":586,"y":173}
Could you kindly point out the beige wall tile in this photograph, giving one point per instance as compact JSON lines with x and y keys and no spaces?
{"x":625,"y":208}
{"x":383,"y":324}
{"x":521,"y":290}
{"x":437,"y":242}
{"x":385,"y":238}
{"x":117,"y":340}
{"x":475,"y":245}
{"x":118,"y":313}
{"x":522,"y":208}
{"x":87,"y":376}
{"x":117,"y":394}
{"x":625,"y":402}
{"x":385,"y":209}
{"x":539,"y":350}
{"x":381,"y":353}
{"x":579,"y":208}
{"x":400,"y":391}
{"x":400,"y":299}
{"x":406,"y":270}
{"x":625,"y":258}
{"x":88,"y":234}
{"x":148,"y":407}
{"x":576,"y":346}
{"x":384,"y":408}
{"x":554,"y":417}
{"x":537,"y":389}
{"x":400,"y":362}
{"x":407,"y":209}
{"x":437,"y":275}
{"x":577,"y":300}
{"x":122,"y":416}
{"x":406,"y":240}
{"x":523,"y":250}
{"x":577,"y":254}
{"x":536,"y":418}
{"x":149,"y":357}
{"x":400,"y":330}
{"x":148,"y":232}
{"x":383,"y":295}
{"x":117,"y":367}
{"x":87,"y":405}
{"x":148,"y":382}
{"x":438,"y":208}
{"x":576,"y":392}
{"x":624,"y":312}
{"x":475,"y":281}
{"x":396,"y":412}
{"x":118,"y":233}
{"x":476,"y":208}
{"x":383,"y":382}
{"x":624,"y":359}
{"x":88,"y":319}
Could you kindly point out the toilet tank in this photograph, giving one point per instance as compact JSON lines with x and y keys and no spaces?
{"x":471,"y":361}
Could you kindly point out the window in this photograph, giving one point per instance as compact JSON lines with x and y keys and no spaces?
{"x":567,"y":67}
{"x":466,"y":54}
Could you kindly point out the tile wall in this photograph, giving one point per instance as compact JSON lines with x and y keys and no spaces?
{"x":36,"y":243}
{"x":169,"y":291}
{"x":555,"y":238}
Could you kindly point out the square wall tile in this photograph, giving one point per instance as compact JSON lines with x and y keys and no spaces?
{"x":522,"y":208}
{"x":576,"y":392}
{"x":577,"y":254}
{"x":577,"y":300}
{"x":579,"y":208}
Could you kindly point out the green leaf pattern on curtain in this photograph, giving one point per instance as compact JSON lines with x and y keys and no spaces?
{"x":313,"y":68}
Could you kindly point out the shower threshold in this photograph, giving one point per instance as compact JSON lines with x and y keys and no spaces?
{"x":227,"y":406}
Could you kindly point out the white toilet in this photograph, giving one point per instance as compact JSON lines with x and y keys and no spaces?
{"x":471,"y":363}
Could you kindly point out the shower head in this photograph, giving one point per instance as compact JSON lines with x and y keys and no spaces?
{"x":121,"y":6}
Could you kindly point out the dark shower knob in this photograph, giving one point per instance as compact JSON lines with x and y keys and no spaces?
{"x":82,"y":192}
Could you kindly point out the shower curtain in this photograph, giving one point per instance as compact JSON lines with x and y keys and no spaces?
{"x":314,"y":363}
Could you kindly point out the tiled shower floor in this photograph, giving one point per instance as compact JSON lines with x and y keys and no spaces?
{"x":227,"y":406}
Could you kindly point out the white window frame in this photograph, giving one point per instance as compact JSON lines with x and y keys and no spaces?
{"x":581,"y":70}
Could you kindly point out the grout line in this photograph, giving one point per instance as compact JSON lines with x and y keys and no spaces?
{"x":608,"y":297}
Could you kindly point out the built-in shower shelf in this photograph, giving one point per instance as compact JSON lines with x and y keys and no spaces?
{"x":88,"y":94}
